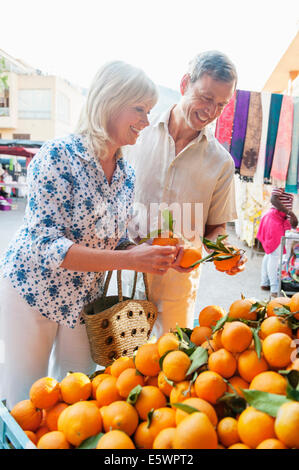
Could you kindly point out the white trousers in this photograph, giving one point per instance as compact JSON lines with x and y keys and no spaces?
{"x":36,"y":347}
{"x":269,"y":274}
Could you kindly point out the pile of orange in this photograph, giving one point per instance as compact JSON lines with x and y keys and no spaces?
{"x":163,"y":399}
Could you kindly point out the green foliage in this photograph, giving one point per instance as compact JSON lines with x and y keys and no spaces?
{"x":91,"y":442}
{"x":3,"y":78}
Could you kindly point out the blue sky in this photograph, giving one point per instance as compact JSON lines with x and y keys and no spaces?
{"x":73,"y":38}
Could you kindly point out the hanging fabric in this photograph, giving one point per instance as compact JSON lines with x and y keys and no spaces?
{"x":253,"y":137}
{"x":292,"y":176}
{"x":260,"y":167}
{"x":239,"y":127}
{"x":224,"y":124}
{"x":283,"y":144}
{"x":275,"y":107}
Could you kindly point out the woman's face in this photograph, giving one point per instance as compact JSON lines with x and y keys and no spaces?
{"x":125,"y":125}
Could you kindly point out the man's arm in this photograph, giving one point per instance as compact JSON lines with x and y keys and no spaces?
{"x":212,"y":231}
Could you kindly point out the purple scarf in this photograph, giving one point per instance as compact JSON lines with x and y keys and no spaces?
{"x":239,"y":127}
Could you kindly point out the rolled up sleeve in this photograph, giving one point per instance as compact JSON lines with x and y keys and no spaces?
{"x":50,"y":206}
{"x":223,"y":204}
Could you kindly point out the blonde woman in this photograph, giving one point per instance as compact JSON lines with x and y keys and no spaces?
{"x":79,"y":200}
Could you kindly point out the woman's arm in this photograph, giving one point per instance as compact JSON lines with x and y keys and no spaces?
{"x":142,"y":258}
{"x":278,"y":204}
{"x":282,"y":208}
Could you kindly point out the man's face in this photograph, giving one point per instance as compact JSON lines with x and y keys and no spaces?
{"x":204,"y":100}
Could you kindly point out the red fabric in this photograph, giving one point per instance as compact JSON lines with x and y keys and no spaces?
{"x":18,"y":151}
{"x":272,"y":227}
{"x":224,"y":124}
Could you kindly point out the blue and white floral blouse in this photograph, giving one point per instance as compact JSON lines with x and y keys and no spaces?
{"x":69,"y":201}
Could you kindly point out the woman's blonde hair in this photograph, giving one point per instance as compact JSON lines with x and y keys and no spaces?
{"x":115,"y":85}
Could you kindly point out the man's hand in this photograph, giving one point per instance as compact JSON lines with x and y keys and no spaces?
{"x":239,"y":267}
{"x":176,"y":264}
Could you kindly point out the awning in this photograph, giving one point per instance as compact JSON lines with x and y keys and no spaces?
{"x":18,"y":151}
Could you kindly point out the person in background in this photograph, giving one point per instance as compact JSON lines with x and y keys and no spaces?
{"x":274,"y":223}
{"x":80,"y":193}
{"x":178,"y":160}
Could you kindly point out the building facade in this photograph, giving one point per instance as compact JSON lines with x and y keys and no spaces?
{"x":36,"y":106}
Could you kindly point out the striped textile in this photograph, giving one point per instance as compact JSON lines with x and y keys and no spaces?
{"x":283,"y":146}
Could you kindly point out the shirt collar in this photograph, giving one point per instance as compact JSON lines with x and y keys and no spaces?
{"x":163,"y":120}
{"x":82,"y":149}
{"x":80,"y":146}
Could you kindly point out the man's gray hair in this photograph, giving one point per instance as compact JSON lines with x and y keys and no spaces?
{"x":213,"y":63}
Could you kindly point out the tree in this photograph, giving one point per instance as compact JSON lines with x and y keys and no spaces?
{"x":3,"y":78}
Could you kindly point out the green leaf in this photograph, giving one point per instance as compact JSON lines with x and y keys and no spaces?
{"x":210,"y":245}
{"x":223,"y":248}
{"x":267,"y":402}
{"x":153,"y":234}
{"x":96,"y":373}
{"x":187,"y":331}
{"x":258,"y":305}
{"x":280,"y":311}
{"x":134,"y":394}
{"x":198,"y":358}
{"x":186,"y":344}
{"x":187,"y":408}
{"x":195,"y":375}
{"x":292,"y":393}
{"x":168,"y":220}
{"x":224,"y":257}
{"x":170,"y":382}
{"x":209,"y":257}
{"x":163,"y":357}
{"x":257,"y":341}
{"x":233,"y":403}
{"x":91,"y":442}
{"x":292,"y":377}
{"x":150,"y":417}
{"x":221,"y":237}
{"x":220,"y":323}
{"x":179,"y":332}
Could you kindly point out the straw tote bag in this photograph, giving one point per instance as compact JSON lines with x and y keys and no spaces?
{"x":116,"y":326}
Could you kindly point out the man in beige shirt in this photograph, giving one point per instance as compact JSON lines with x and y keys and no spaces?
{"x":178,"y":162}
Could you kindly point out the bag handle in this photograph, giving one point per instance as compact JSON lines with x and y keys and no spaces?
{"x":119,"y":285}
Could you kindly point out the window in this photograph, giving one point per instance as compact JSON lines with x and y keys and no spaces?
{"x":35,"y":104}
{"x":21,"y":136}
{"x":4,"y":102}
{"x":63,"y":107}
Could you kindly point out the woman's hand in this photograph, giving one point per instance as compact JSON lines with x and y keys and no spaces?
{"x":177,"y":261}
{"x":152,"y":259}
{"x":293,"y":219}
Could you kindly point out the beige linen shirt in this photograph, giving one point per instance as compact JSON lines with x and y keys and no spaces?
{"x":202,"y":173}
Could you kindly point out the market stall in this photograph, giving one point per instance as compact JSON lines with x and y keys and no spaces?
{"x":15,"y":156}
{"x":261,"y":132}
